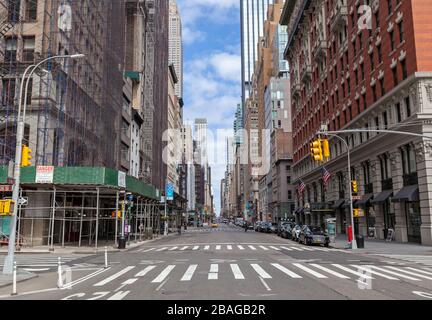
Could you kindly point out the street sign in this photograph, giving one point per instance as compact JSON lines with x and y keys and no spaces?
{"x":23,"y":201}
{"x":170,"y":192}
{"x":356,"y":197}
{"x":5,"y":188}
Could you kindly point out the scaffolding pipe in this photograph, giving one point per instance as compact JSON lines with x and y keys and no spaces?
{"x":19,"y":219}
{"x":97,"y":219}
{"x":116,"y":219}
{"x":81,"y":220}
{"x":53,"y":218}
{"x":64,"y":220}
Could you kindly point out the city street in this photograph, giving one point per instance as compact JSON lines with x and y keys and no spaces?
{"x":227,"y":263}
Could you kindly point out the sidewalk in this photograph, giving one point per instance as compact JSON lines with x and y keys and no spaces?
{"x":374,"y":246}
{"x":83,"y":250}
{"x":6,"y":280}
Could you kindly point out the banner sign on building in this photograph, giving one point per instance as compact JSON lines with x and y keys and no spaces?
{"x":44,"y":174}
{"x":122,"y":179}
{"x":170,"y":192}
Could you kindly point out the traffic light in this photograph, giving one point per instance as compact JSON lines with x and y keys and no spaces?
{"x":317,"y":151}
{"x":326,"y":148}
{"x":356,"y":213}
{"x":119,"y":214}
{"x":26,"y":156}
{"x":354,"y":187}
{"x":6,"y":207}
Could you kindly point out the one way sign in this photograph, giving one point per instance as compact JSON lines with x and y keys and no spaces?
{"x":23,"y":201}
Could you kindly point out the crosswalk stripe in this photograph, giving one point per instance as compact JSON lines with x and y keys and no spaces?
{"x":162,"y":249}
{"x":337,"y":274}
{"x":173,"y":248}
{"x":240,"y":247}
{"x":252,"y":247}
{"x":286,"y":248}
{"x":238,"y":275}
{"x":130,"y":281}
{"x":113,"y":277}
{"x":323,"y":249}
{"x":297,"y":249}
{"x":218,"y":247}
{"x":359,"y":274}
{"x":145,"y":271}
{"x":286,"y":271}
{"x":369,"y":269}
{"x":309,"y":270}
{"x":395,"y":274}
{"x":161,"y":277}
{"x":261,"y":271}
{"x":189,"y":273}
{"x":229,"y":247}
{"x":206,"y":247}
{"x":419,"y":270}
{"x":275,"y":248}
{"x":184,"y":248}
{"x":410,"y":273}
{"x":264,"y":248}
{"x":195,"y":248}
{"x":213,"y":273}
{"x":308,"y":249}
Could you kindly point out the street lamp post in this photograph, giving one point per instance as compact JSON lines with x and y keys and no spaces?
{"x":353,"y":241}
{"x":8,"y":263}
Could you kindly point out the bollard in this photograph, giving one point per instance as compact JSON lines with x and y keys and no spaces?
{"x":60,"y":278}
{"x":106,"y":257}
{"x":14,"y":280}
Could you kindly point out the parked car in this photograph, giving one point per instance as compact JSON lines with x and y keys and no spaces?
{"x":273,"y":227}
{"x":265,"y":227}
{"x":281,"y":226}
{"x":311,"y":235}
{"x":295,"y":233}
{"x":286,"y":231}
{"x":256,"y":225}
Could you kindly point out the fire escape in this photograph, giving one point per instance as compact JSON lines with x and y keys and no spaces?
{"x":9,"y":17}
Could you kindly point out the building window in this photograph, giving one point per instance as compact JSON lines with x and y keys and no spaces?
{"x":404,"y":69}
{"x":289,"y":179}
{"x":398,"y":112}
{"x":362,"y":71}
{"x":31,"y":10}
{"x":408,"y":107}
{"x":289,"y":195}
{"x":13,"y":10}
{"x":372,"y":62}
{"x":409,"y":164}
{"x":374,"y":93}
{"x":8,"y":92}
{"x":385,"y":119}
{"x":364,"y":102}
{"x":29,"y":49}
{"x":385,"y":167}
{"x":389,"y":6}
{"x":377,"y":19}
{"x":395,"y":77}
{"x":11,"y":50}
{"x":392,"y":40}
{"x":380,"y":55}
{"x":401,"y":32}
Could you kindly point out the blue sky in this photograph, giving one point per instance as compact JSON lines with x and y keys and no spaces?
{"x":212,"y":67}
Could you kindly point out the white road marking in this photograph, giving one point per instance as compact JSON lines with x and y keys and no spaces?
{"x":162,"y":249}
{"x":124,"y":284}
{"x":213,"y":273}
{"x":218,"y":247}
{"x":184,"y":248}
{"x":114,"y":276}
{"x":286,"y":271}
{"x":229,"y":247}
{"x":308,"y":249}
{"x":161,"y":285}
{"x":189,"y":273}
{"x":286,"y":248}
{"x":359,"y":274}
{"x":238,"y":275}
{"x":261,"y":272}
{"x":275,"y":248}
{"x":37,"y":270}
{"x":240,"y":247}
{"x":264,"y":248}
{"x":308,"y":270}
{"x":206,"y":247}
{"x":265,"y":284}
{"x":419,"y":270}
{"x":195,"y":248}
{"x":410,"y":273}
{"x":337,"y":274}
{"x":297,"y":249}
{"x":151,"y":249}
{"x":161,"y":277}
{"x":252,"y":247}
{"x":119,"y":295}
{"x":173,"y":248}
{"x":145,"y":271}
{"x":395,"y":274}
{"x":369,"y":269}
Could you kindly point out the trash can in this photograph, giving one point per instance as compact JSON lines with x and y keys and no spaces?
{"x":360,"y":241}
{"x":122,"y":243}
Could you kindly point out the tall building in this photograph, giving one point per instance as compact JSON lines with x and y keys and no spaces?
{"x":200,"y":132}
{"x":176,"y":45}
{"x":253,"y":13}
{"x":347,"y":75}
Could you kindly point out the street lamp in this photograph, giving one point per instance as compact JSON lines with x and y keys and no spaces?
{"x":8,"y":263}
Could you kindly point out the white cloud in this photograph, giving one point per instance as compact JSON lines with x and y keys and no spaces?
{"x":227,"y":66}
{"x":190,"y":36}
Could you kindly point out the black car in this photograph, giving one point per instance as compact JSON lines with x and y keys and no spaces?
{"x":310,"y":235}
{"x":266,"y":227}
{"x":281,"y":225}
{"x":286,"y":231}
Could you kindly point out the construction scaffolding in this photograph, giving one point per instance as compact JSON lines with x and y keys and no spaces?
{"x":74,"y":108}
{"x":85,"y":217}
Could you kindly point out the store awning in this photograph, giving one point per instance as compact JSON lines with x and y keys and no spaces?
{"x":338,"y":203}
{"x":407,"y":194}
{"x":347,"y":204}
{"x":366,"y":200}
{"x":382,"y":197}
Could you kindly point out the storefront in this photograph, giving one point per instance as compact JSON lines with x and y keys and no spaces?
{"x":410,"y":201}
{"x":367,"y":221}
{"x":382,"y":204}
{"x":340,"y":216}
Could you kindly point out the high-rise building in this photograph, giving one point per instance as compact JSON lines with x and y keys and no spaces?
{"x":176,"y":45}
{"x":346,"y":74}
{"x":253,"y":13}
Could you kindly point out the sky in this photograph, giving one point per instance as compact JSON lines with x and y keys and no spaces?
{"x":212,"y":69}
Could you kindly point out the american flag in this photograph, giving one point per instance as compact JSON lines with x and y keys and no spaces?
{"x":326,"y":176}
{"x":301,"y":187}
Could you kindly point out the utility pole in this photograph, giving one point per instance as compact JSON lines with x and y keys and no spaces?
{"x":166,"y":214}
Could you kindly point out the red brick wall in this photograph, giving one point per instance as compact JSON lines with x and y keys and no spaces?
{"x":422,"y":23}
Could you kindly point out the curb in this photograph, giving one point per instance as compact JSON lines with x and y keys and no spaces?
{"x":32,"y":276}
